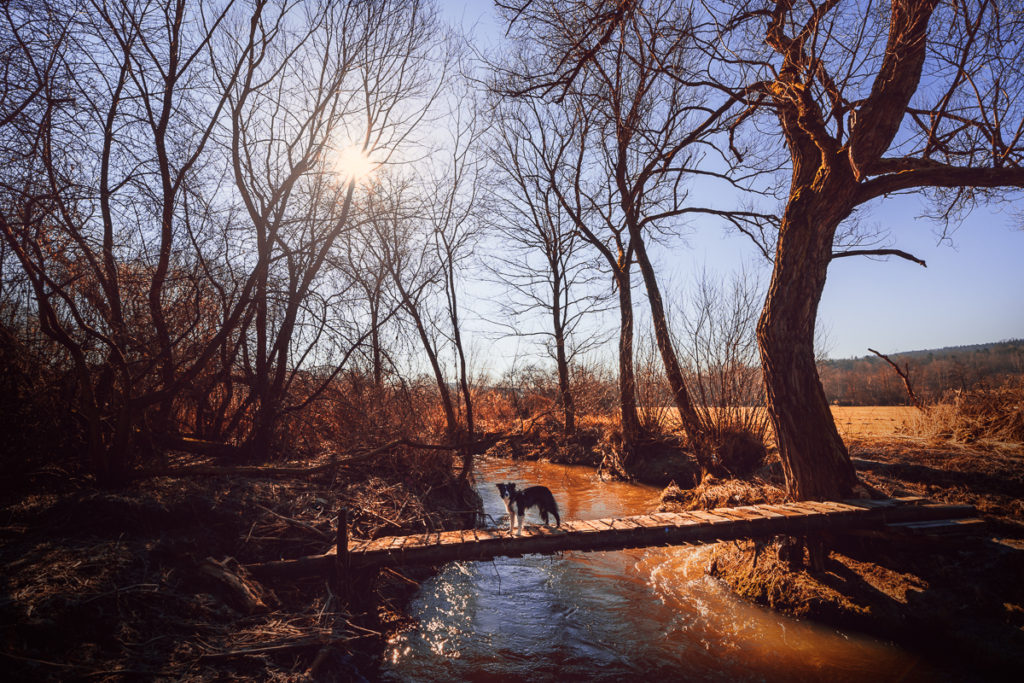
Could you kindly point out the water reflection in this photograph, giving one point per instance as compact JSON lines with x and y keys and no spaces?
{"x":624,"y":615}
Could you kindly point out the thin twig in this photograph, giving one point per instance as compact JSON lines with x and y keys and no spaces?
{"x":296,"y":522}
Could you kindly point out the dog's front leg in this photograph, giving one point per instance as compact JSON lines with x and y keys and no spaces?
{"x":520,"y":532}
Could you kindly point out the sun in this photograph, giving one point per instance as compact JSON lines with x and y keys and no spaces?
{"x":352,"y":164}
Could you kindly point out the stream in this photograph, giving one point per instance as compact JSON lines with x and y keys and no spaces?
{"x":622,"y":615}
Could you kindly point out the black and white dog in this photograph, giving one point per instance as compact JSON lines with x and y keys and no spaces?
{"x":518,"y":502}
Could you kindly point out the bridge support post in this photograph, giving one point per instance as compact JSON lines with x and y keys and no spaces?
{"x":342,"y":561}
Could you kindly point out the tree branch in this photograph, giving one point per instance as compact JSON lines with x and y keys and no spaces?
{"x":880,"y":252}
{"x":944,"y":176}
{"x":906,"y":380}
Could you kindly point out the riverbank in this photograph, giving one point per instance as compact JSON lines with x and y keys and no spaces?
{"x":148,"y":581}
{"x":959,"y":602}
{"x":658,"y":460}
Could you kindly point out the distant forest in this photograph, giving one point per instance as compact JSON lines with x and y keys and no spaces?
{"x":933,"y":373}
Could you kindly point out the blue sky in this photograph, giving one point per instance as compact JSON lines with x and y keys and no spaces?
{"x":970,"y":293}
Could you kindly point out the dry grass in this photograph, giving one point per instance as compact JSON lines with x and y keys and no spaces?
{"x":860,"y":421}
{"x":852,"y":420}
{"x":980,"y":415}
{"x":869,"y":421}
{"x":712,"y":492}
{"x":104,"y":585}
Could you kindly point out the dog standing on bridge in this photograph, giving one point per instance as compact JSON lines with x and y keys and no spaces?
{"x":518,"y":502}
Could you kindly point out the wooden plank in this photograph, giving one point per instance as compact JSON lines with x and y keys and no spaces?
{"x":709,"y":517}
{"x":378,"y":544}
{"x":625,"y":524}
{"x":806,"y":507}
{"x":646,"y":521}
{"x":489,"y":535}
{"x":730,"y":513}
{"x":910,"y":513}
{"x":415,"y":540}
{"x":939,"y":527}
{"x":763,"y":512}
{"x":681,"y":519}
{"x":784,"y":510}
{"x":936,"y":523}
{"x":697,"y":519}
{"x":357,"y":545}
{"x":451,"y":538}
{"x":833,"y":508}
{"x":696,"y":526}
{"x":840,"y":505}
{"x":747,"y":512}
{"x":863,"y":503}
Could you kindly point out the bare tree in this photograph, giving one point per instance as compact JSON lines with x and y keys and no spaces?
{"x":717,"y":332}
{"x":104,"y":234}
{"x":350,"y":71}
{"x":650,"y":128}
{"x":173,"y":202}
{"x":869,"y":101}
{"x":546,"y":266}
{"x":405,"y":240}
{"x":452,"y":212}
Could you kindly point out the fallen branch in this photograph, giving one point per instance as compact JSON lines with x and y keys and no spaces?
{"x":235,"y":471}
{"x":215,"y":449}
{"x":248,"y":594}
{"x":473,"y":447}
{"x":298,"y":523}
{"x":281,"y":646}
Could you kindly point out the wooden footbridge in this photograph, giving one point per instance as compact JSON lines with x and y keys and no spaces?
{"x":659,"y":529}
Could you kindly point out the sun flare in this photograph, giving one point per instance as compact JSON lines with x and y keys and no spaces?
{"x":353,"y":164}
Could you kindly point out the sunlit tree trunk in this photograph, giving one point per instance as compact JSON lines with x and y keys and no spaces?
{"x":814,"y":458}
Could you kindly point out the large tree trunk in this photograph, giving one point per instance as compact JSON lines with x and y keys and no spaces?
{"x":814,"y":458}
{"x":825,"y":188}
{"x":261,"y":440}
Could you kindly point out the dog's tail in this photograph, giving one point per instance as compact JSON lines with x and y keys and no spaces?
{"x":554,"y":510}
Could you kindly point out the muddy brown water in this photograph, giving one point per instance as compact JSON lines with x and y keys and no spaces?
{"x":625,"y":615}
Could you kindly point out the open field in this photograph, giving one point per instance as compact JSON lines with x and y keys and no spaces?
{"x":871,"y":420}
{"x":850,"y":420}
